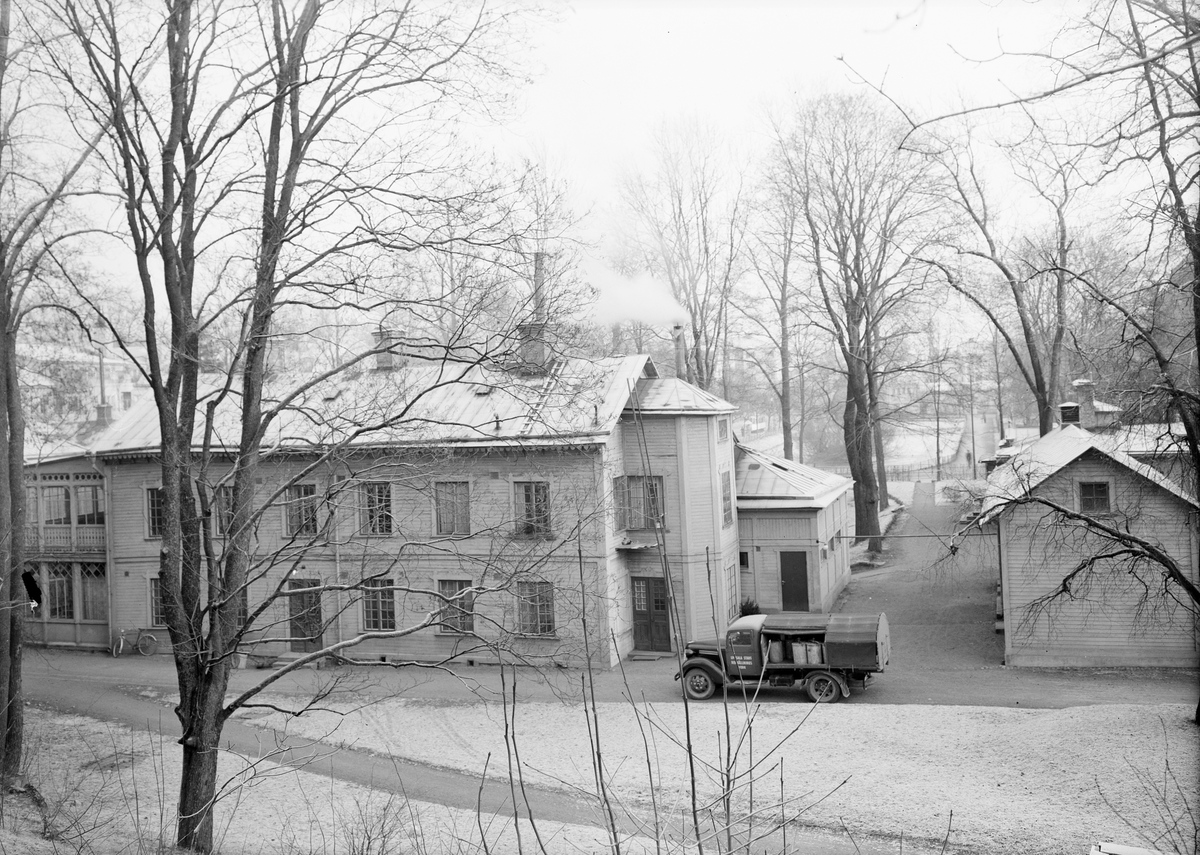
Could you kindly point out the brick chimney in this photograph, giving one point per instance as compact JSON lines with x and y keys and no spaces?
{"x":532,"y":351}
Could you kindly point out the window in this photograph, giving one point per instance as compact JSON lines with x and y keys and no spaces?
{"x":223,"y":508}
{"x":744,"y":561}
{"x":156,"y":512}
{"x":379,"y":605}
{"x":301,"y":509}
{"x":533,"y":508}
{"x":91,"y":505}
{"x":639,"y":501}
{"x":727,"y":497}
{"x":126,"y":400}
{"x":158,"y":609}
{"x":377,"y":507}
{"x":723,"y":429}
{"x":1093,"y":497}
{"x":535,"y":608}
{"x":93,"y":589}
{"x":56,"y":504}
{"x":60,"y":592}
{"x":452,"y":507}
{"x":459,"y":616}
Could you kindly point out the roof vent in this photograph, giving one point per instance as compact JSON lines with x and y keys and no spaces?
{"x":1069,"y":413}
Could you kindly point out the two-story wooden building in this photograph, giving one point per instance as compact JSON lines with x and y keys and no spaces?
{"x":527,"y":499}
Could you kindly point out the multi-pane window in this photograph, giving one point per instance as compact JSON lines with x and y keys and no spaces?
{"x":535,"y":608}
{"x":1093,"y":497}
{"x":223,"y":508}
{"x":56,"y":505}
{"x":301,"y":509}
{"x":377,"y":507}
{"x":727,"y":497}
{"x":91,"y":505}
{"x":379,"y":605}
{"x":156,"y":510}
{"x":458,"y":616}
{"x":533,"y":508}
{"x":639,"y":501}
{"x":158,"y":611}
{"x":452,"y":507}
{"x":93,"y":590}
{"x":723,"y":429}
{"x":60,"y":592}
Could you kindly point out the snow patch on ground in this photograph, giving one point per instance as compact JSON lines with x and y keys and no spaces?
{"x":1050,"y":781}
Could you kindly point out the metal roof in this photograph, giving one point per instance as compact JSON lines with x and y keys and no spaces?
{"x":671,"y":395}
{"x":767,"y":482}
{"x":578,"y":401}
{"x":1026,"y":471}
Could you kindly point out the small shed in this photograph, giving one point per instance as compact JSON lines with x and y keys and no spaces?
{"x":795,"y":526}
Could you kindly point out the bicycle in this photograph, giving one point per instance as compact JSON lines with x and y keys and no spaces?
{"x":146,"y":643}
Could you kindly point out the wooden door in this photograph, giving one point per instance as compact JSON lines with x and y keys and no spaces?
{"x":651,"y":620}
{"x":306,"y":621}
{"x":793,"y":578}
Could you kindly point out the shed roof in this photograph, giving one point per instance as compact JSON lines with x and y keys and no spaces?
{"x":577,"y":402}
{"x":1027,"y":470}
{"x":766,"y":482}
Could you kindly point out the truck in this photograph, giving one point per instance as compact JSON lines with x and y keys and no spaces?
{"x":822,"y":654}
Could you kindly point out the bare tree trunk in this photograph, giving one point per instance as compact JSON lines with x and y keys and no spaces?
{"x":785,"y":380}
{"x":14,"y":733}
{"x":8,"y":534}
{"x":802,"y":420}
{"x":877,"y":437}
{"x":857,"y":431}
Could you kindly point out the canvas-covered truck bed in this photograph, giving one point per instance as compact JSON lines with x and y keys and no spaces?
{"x":824,"y":653}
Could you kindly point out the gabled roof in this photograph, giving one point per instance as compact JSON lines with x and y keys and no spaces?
{"x":766,"y":482}
{"x":577,"y":402}
{"x":1027,"y":470}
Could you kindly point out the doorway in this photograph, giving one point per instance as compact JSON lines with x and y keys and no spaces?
{"x":793,"y":578}
{"x":651,"y":620}
{"x":305,"y":610}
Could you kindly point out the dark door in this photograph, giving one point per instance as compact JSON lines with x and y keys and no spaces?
{"x":793,"y":576}
{"x":306,"y":616}
{"x":651,"y":623}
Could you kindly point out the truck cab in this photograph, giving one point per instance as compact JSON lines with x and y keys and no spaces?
{"x":822,"y":654}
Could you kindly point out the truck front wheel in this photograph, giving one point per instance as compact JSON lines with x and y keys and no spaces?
{"x":823,"y":688}
{"x":698,"y":684}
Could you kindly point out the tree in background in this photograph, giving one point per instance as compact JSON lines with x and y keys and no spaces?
{"x":689,"y":223}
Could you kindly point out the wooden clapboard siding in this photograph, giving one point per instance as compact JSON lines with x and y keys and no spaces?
{"x":1102,"y":623}
{"x":765,"y":533}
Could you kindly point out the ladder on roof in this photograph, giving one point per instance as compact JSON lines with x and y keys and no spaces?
{"x":535,"y":411}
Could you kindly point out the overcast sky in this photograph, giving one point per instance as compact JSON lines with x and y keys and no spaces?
{"x":612,"y":71}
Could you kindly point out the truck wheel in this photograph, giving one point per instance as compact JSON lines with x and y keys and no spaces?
{"x":698,"y":684}
{"x":824,"y":689}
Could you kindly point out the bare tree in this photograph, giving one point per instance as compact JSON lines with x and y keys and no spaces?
{"x":773,"y":252}
{"x":868,"y":212}
{"x":690,"y":220}
{"x":38,"y":172}
{"x":270,"y":164}
{"x":1021,"y":282}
